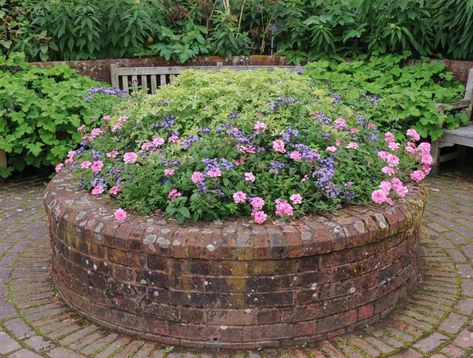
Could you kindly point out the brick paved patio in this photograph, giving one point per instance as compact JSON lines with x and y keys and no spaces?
{"x":437,"y":321}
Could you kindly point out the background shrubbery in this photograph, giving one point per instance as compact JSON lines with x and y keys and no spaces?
{"x":40,"y":110}
{"x":182,"y":29}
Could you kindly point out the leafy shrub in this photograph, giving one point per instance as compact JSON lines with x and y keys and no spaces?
{"x":182,"y":29}
{"x":40,"y":109}
{"x":393,"y":95}
{"x":454,"y":21}
{"x":214,"y":145}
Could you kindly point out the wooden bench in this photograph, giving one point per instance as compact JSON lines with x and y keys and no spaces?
{"x":149,"y":79}
{"x":462,"y":136}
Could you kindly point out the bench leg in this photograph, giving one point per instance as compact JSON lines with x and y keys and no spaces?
{"x":3,"y":159}
{"x":436,"y":156}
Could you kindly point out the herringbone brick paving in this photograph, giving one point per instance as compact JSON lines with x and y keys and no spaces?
{"x":436,"y":321}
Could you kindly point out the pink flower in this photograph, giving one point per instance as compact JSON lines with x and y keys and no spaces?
{"x":426,"y":169}
{"x":296,"y":199}
{"x":173,"y":194}
{"x":197,"y":177}
{"x":123,"y":118}
{"x":426,"y":159}
{"x":260,"y":127}
{"x":295,"y":155}
{"x":378,"y":196}
{"x":250,"y":149}
{"x":352,"y":145}
{"x":70,"y":154}
{"x":239,"y":197}
{"x":388,"y":170}
{"x":96,"y":132}
{"x":239,"y":162}
{"x":260,"y":217}
{"x":97,"y":166}
{"x":278,"y":146}
{"x":157,"y":141}
{"x":214,"y":173}
{"x":174,"y":139}
{"x":417,"y":176}
{"x":87,"y":138}
{"x":120,"y":214}
{"x":340,"y":123}
{"x":412,"y":133}
{"x":401,"y":190}
{"x":331,"y":149}
{"x":371,"y":126}
{"x":257,"y":203}
{"x":383,"y":155}
{"x":113,"y":154}
{"x":82,"y":128}
{"x":393,"y":161}
{"x":389,"y":137}
{"x":411,"y":148}
{"x":59,"y":167}
{"x":130,"y":157}
{"x":393,"y":145}
{"x":106,"y":118}
{"x":86,"y":164}
{"x":146,"y":146}
{"x":117,"y":126}
{"x":424,"y":148}
{"x":168,"y":172}
{"x":249,"y":177}
{"x":283,"y":208}
{"x":338,"y":141}
{"x":354,"y":130}
{"x":385,"y":186}
{"x":97,"y":190}
{"x":114,"y":190}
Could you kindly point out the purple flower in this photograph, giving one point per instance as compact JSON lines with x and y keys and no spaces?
{"x":234,"y":115}
{"x":275,"y":166}
{"x":189,"y":141}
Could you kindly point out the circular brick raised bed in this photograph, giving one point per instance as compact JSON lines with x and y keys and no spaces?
{"x":232,"y":283}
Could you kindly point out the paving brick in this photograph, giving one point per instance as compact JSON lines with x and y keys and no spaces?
{"x":7,"y":344}
{"x":18,"y":328}
{"x":61,"y":352}
{"x":453,"y":323}
{"x":38,"y":343}
{"x":431,"y":342}
{"x":24,"y":353}
{"x":464,"y":339}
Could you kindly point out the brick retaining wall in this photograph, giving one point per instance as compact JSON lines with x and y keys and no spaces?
{"x":100,"y":69}
{"x":232,"y":283}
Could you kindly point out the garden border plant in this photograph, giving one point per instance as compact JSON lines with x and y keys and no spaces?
{"x":41,"y":109}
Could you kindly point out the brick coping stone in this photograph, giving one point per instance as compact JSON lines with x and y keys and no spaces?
{"x":232,"y":283}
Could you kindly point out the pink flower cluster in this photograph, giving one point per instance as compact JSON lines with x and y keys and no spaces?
{"x":119,"y":124}
{"x":395,"y":185}
{"x":283,"y":208}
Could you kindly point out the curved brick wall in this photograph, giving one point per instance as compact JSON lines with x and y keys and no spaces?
{"x":232,"y":283}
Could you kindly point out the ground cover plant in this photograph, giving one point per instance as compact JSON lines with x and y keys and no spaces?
{"x":40,"y":109}
{"x":261,"y":143}
{"x":395,"y":95}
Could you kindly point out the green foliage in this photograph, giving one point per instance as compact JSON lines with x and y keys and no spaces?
{"x":187,"y":150}
{"x":40,"y":109}
{"x":391,"y":94}
{"x":181,"y":46}
{"x":454,"y":23}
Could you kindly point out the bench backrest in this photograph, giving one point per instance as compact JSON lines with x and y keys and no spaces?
{"x":151,"y":78}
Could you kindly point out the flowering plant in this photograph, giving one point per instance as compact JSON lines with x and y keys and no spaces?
{"x":282,"y":154}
